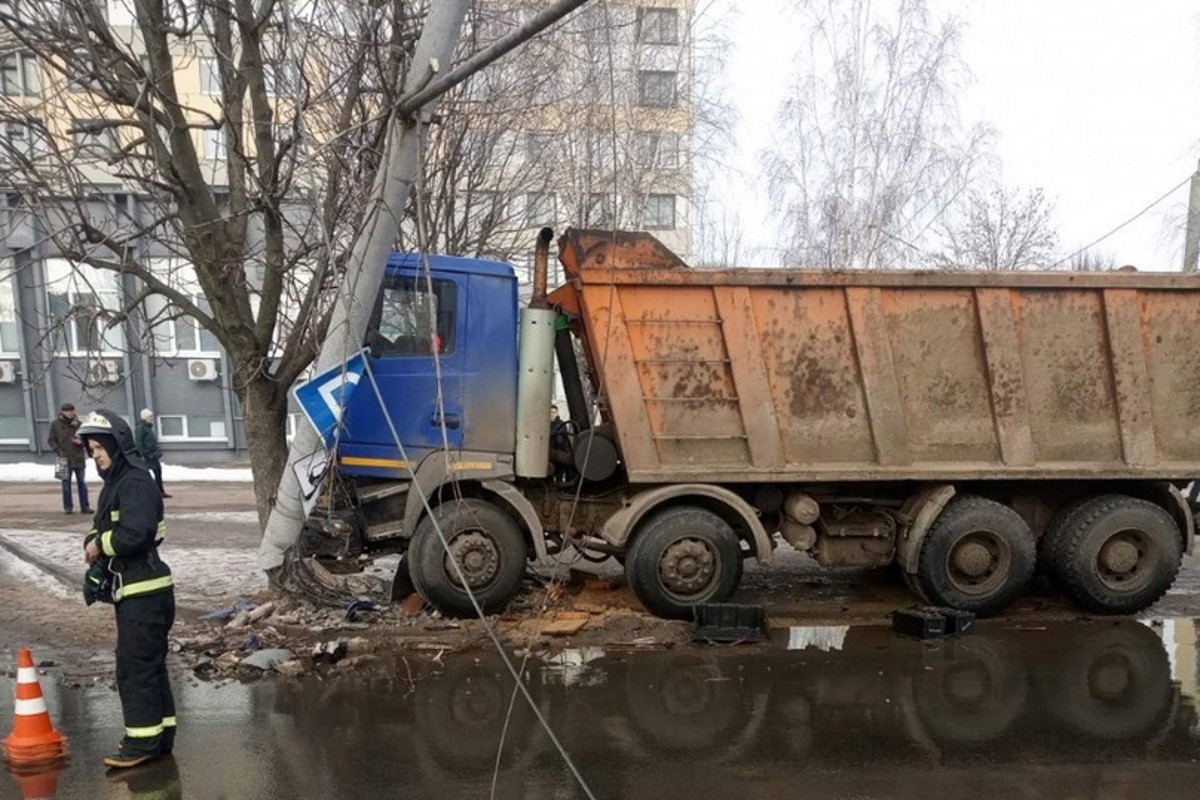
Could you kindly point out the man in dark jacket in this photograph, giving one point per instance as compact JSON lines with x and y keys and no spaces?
{"x":64,"y":441}
{"x":128,"y":529}
{"x":147,"y":444}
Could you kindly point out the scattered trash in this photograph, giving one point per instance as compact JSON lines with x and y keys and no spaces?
{"x":412,"y":605}
{"x":239,"y":605}
{"x":240,"y":620}
{"x":267,"y":659}
{"x":361,"y":609}
{"x":252,"y":643}
{"x":565,"y":623}
{"x":329,"y":652}
{"x":357,"y":661}
{"x":930,"y":622}
{"x":265,"y":610}
{"x":290,"y":669}
{"x":227,"y":661}
{"x":730,"y":623}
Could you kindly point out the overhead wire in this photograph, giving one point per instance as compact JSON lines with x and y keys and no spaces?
{"x":1127,"y":222}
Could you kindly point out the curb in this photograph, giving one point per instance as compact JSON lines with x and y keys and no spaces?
{"x":61,"y":574}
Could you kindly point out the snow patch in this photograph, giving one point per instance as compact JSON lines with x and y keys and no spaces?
{"x":26,"y":472}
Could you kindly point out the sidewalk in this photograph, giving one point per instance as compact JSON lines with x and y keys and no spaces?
{"x":211,"y":546}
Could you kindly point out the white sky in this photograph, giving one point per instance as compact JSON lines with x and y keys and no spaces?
{"x":1096,"y":101}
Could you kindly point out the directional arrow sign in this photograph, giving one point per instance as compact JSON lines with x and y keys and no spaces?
{"x":323,"y":399}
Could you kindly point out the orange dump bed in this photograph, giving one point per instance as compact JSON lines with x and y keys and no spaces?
{"x":750,"y":375}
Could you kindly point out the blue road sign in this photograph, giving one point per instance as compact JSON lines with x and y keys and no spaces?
{"x":323,"y":399}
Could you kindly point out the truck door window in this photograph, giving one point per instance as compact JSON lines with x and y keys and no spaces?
{"x":406,"y":314}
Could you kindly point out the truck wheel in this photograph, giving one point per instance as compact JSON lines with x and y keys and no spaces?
{"x":977,"y":557}
{"x":488,"y":546}
{"x":1113,"y":683}
{"x":683,"y":557}
{"x":1050,"y":545}
{"x":1119,"y":555}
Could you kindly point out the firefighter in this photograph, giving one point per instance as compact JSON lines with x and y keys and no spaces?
{"x":127,"y":530}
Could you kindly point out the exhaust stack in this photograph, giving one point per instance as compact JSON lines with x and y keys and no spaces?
{"x":535,"y":365}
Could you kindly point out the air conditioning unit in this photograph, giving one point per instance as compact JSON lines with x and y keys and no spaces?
{"x":104,"y":372}
{"x":202,"y":369}
{"x":8,"y":372}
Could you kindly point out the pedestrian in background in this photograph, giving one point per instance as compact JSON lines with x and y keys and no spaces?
{"x":126,"y":570}
{"x":72,"y":461}
{"x":147,"y":445}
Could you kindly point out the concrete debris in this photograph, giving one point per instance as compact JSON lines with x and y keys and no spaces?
{"x":290,"y":669}
{"x":240,"y":620}
{"x":267,"y":659}
{"x":227,"y":661}
{"x":265,"y":610}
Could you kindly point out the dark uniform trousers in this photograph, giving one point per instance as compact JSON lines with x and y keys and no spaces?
{"x":143,"y":622}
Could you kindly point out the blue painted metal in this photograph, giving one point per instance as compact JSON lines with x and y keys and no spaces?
{"x":479,"y":376}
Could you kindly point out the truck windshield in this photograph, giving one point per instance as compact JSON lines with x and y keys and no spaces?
{"x":407,"y":314}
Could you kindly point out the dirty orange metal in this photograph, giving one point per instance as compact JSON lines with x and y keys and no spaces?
{"x":748,"y":375}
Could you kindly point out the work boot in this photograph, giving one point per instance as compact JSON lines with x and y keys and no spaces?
{"x":68,"y":511}
{"x":86,"y":511}
{"x":167,"y":745}
{"x":132,"y":752}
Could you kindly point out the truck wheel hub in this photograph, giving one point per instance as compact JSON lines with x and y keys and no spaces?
{"x":687,"y":566}
{"x":973,"y":559}
{"x":1119,"y":556}
{"x":476,"y":554}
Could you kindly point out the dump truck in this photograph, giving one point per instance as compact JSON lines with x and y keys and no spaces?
{"x":967,"y":428}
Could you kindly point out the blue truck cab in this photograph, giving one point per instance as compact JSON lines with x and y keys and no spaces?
{"x":474,"y":303}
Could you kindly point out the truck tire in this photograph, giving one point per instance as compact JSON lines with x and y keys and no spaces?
{"x":978,"y":556}
{"x":1051,"y":545}
{"x":683,"y":557}
{"x":1112,"y":683}
{"x":975,"y":696}
{"x":1118,"y":554}
{"x":489,"y":546}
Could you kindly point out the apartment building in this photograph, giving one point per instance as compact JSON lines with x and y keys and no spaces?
{"x":601,"y":140}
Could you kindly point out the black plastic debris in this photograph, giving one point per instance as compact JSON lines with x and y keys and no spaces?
{"x":932,"y":623}
{"x":919,"y":622}
{"x":729,"y":623}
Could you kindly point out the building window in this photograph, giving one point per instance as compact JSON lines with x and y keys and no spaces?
{"x":19,"y":75}
{"x":214,"y":144}
{"x":94,"y":139}
{"x":83,"y":302}
{"x":542,"y":148}
{"x":658,"y":25}
{"x":280,"y":79}
{"x":541,"y":209}
{"x":22,"y":139}
{"x":598,"y":213}
{"x":191,"y":427}
{"x":659,"y":213}
{"x":174,"y":333}
{"x":406,"y":315}
{"x":210,"y":76}
{"x":9,"y":344}
{"x":656,"y":149}
{"x":656,"y":89}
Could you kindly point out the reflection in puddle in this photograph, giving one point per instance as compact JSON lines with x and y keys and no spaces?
{"x":1104,"y":709}
{"x":821,"y":637}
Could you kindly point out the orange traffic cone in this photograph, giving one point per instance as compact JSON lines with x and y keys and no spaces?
{"x":33,"y":740}
{"x":39,"y":785}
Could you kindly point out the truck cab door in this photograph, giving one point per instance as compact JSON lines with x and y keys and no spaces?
{"x":411,"y":324}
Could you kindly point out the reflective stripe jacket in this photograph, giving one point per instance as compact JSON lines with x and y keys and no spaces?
{"x":128,"y":528}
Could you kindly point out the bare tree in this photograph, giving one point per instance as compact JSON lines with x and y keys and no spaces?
{"x":999,"y":228}
{"x":207,"y":156}
{"x":1091,"y":260}
{"x":870,"y":150}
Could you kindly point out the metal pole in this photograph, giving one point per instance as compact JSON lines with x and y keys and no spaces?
{"x":365,"y":270}
{"x":1191,"y":246}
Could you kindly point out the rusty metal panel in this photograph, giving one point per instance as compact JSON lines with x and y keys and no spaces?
{"x":785,"y":375}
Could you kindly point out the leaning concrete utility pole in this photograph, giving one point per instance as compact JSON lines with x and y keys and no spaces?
{"x":408,"y":126}
{"x":1191,"y":245}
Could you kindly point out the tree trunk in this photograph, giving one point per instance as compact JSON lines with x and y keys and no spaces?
{"x":264,"y":407}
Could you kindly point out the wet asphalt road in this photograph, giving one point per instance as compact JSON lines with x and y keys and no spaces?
{"x":1084,"y":710}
